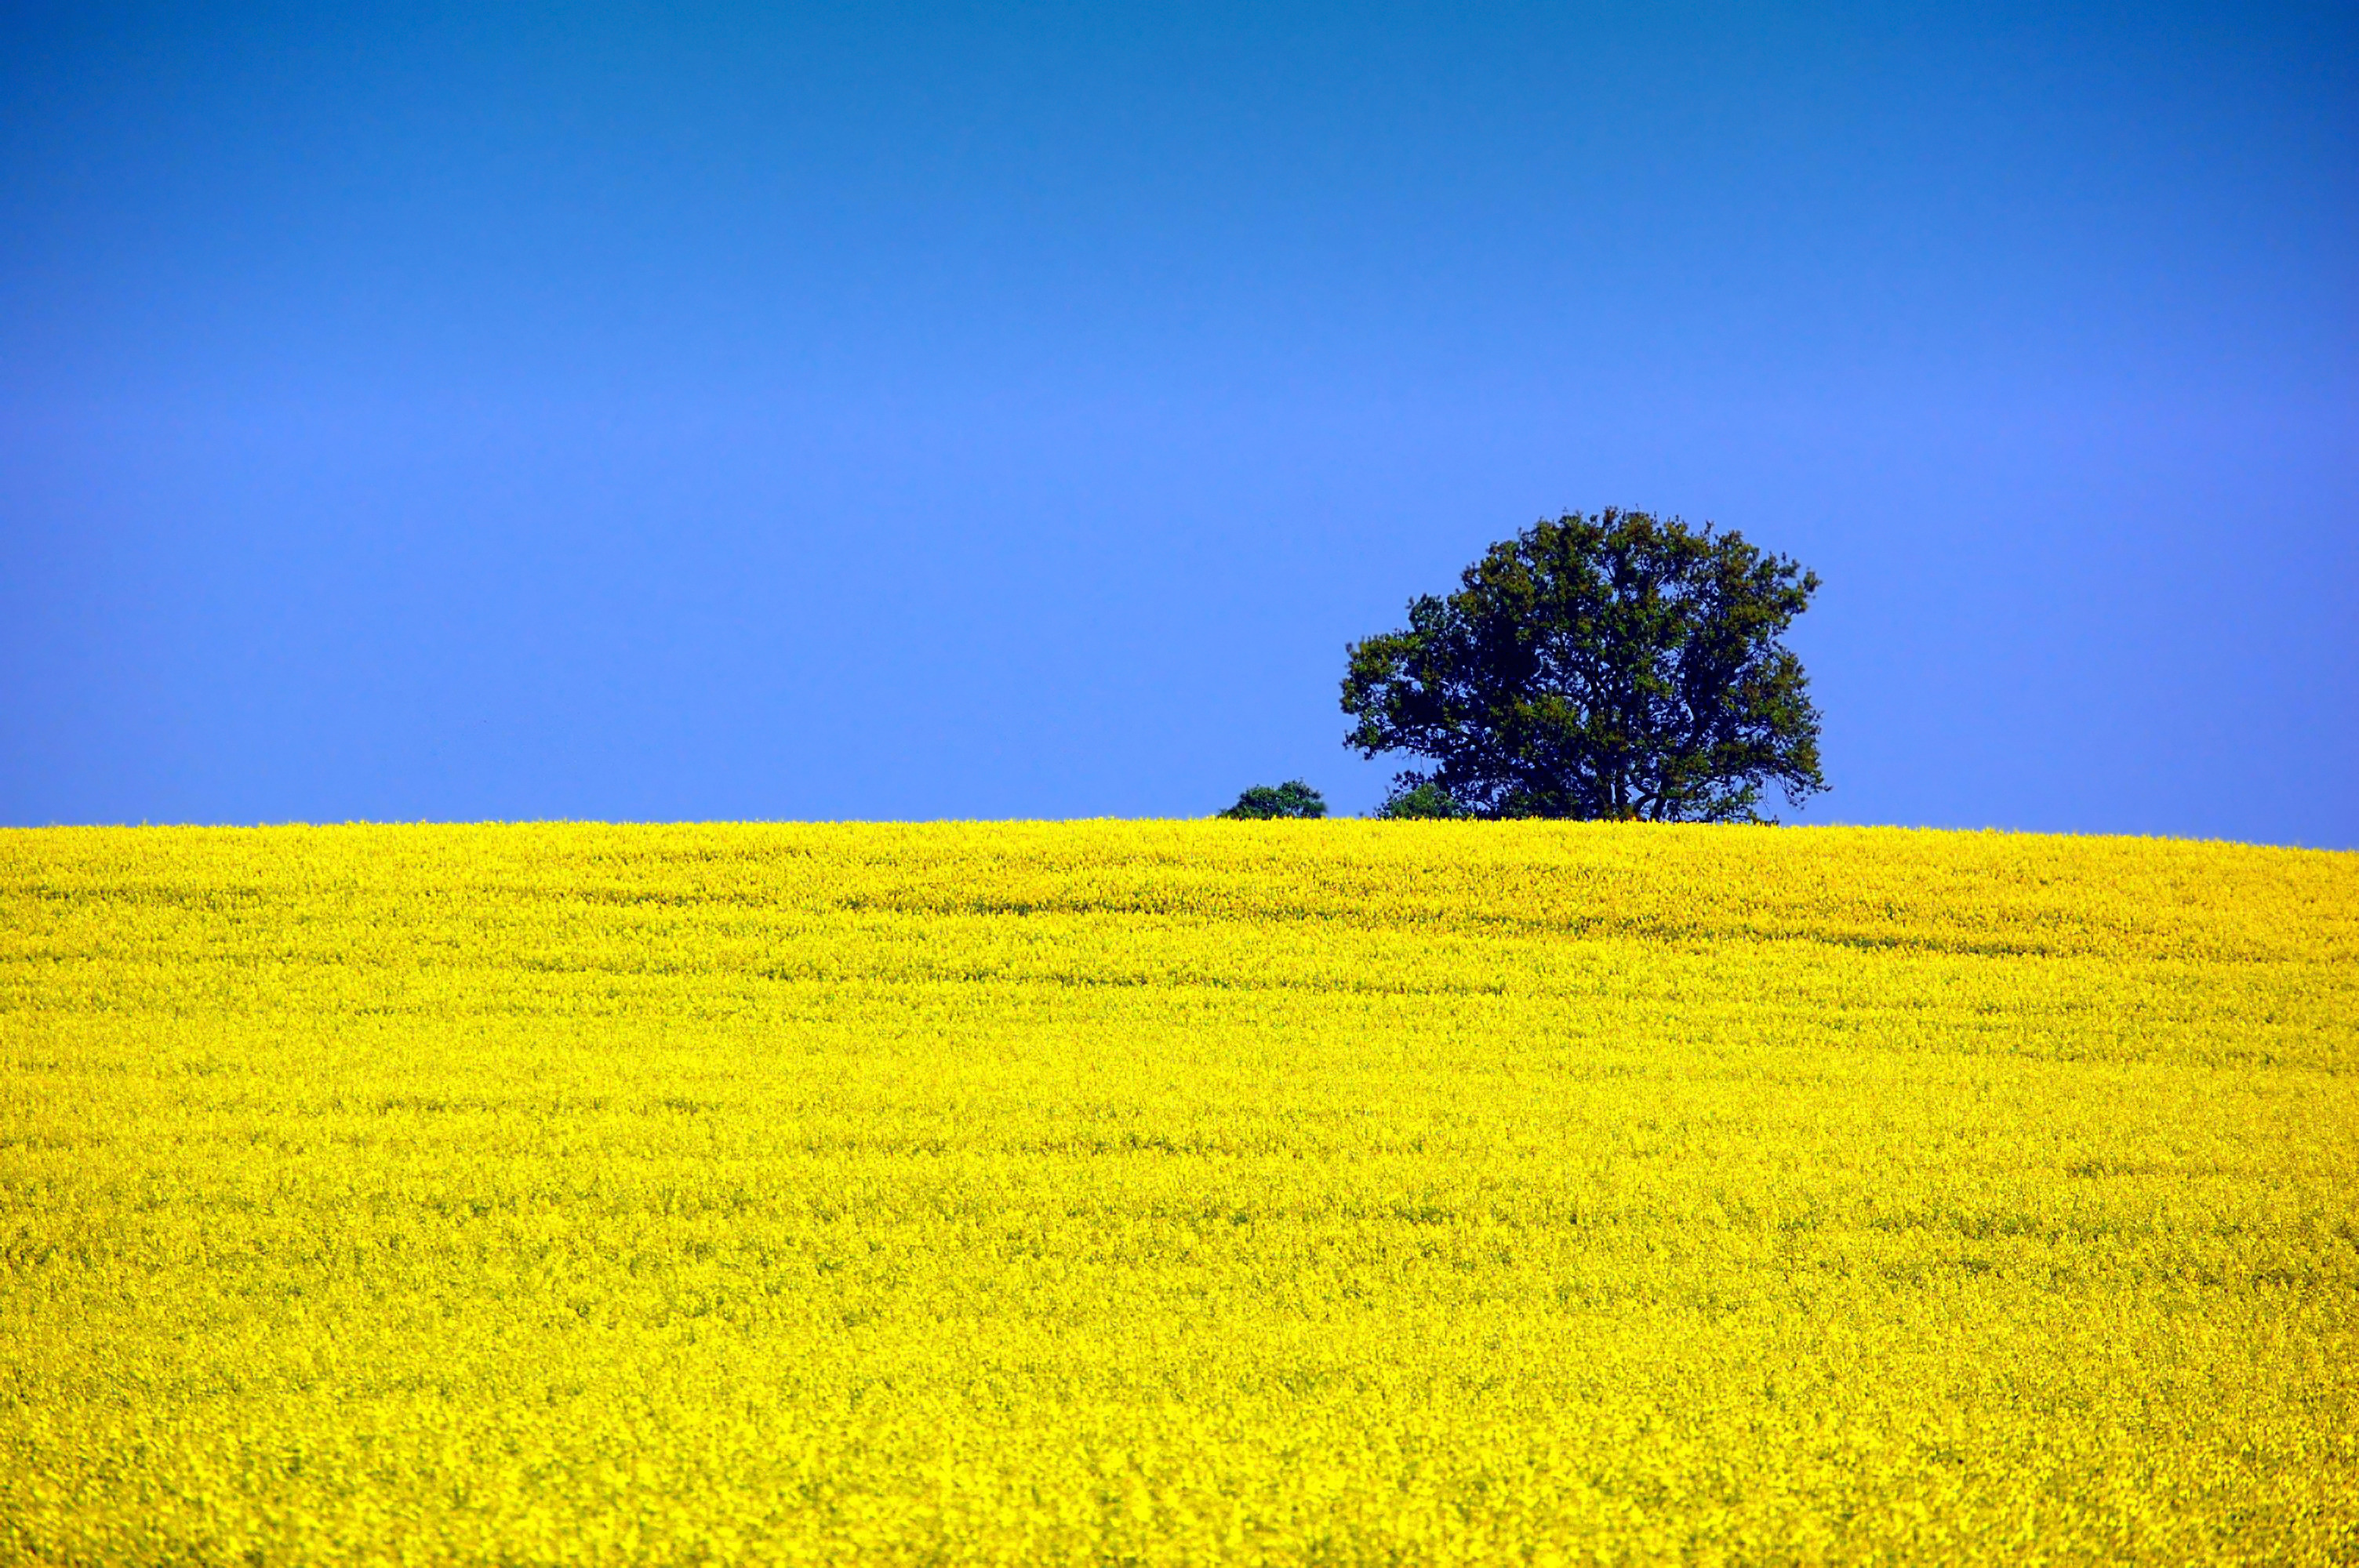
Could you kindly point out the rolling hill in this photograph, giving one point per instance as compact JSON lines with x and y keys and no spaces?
{"x":1174,"y":1192}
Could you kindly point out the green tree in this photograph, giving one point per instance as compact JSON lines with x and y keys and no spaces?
{"x":1292,"y":798}
{"x":1617,"y":665}
{"x":1413,"y":798}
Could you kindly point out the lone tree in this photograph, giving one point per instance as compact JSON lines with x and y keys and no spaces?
{"x":1292,"y":798}
{"x":1618,"y":666}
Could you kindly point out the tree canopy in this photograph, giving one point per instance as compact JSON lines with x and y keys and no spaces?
{"x":1416,"y":798}
{"x":1292,"y":798}
{"x":1617,"y":665}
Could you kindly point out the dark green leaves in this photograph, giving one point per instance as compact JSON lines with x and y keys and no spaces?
{"x":1615,"y":665}
{"x":1292,"y":798}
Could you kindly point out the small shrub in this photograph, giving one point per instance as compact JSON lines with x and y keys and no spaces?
{"x":1422,"y":799}
{"x":1292,"y":798}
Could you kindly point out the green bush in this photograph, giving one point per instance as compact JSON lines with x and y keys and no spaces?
{"x":1292,"y":798}
{"x":1424,"y":798}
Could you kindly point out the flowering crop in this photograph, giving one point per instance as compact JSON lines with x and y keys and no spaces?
{"x":1173,"y":1193}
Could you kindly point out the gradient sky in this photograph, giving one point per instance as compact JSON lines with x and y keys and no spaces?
{"x":1013,"y":411}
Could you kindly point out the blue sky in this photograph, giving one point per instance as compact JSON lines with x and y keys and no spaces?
{"x":1013,"y":411}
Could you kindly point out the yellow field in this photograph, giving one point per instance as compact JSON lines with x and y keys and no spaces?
{"x":1174,"y":1192}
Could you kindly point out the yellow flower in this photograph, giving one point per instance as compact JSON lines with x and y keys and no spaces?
{"x":1174,"y":1192}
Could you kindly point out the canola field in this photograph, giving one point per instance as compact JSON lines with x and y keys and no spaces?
{"x":1166,"y":1192}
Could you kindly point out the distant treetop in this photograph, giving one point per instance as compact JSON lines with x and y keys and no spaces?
{"x":1292,"y":798}
{"x":1409,"y":802}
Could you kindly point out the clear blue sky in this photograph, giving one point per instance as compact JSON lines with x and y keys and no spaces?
{"x":998,"y":411}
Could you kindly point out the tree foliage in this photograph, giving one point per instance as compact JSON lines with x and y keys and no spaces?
{"x":1617,"y":666}
{"x":1416,"y":798}
{"x":1292,"y":798}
